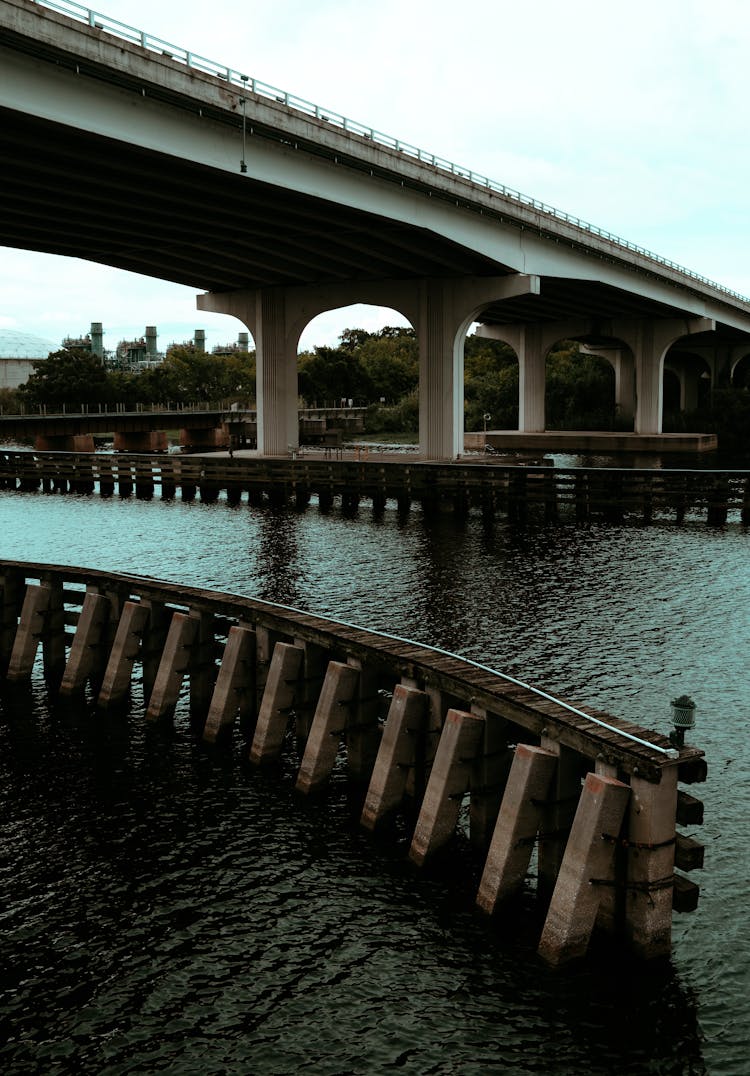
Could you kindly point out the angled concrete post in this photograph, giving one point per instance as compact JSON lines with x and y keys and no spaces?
{"x":587,"y":865}
{"x":526,"y":794}
{"x":42,"y":620}
{"x":125,"y":648}
{"x":363,"y":727}
{"x":88,"y":651}
{"x":557,"y":817}
{"x":309,"y":687}
{"x":152,"y":643}
{"x":235,"y":683}
{"x":12,"y":584}
{"x":202,"y":669}
{"x":397,"y":753}
{"x":329,"y":724}
{"x":450,"y":779}
{"x":175,"y":663}
{"x":489,"y":779}
{"x":29,"y":634}
{"x":278,"y":697}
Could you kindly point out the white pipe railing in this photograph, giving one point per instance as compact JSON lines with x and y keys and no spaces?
{"x":193,"y":60}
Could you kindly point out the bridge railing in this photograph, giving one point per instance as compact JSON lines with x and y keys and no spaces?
{"x":336,"y":119}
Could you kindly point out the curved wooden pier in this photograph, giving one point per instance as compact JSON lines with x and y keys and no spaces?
{"x":422,"y":730}
{"x":583,"y":493}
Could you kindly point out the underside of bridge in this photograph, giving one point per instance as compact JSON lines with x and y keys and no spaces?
{"x":120,"y":156}
{"x":67,"y":191}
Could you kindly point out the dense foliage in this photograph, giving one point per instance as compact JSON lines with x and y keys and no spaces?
{"x":379,"y":370}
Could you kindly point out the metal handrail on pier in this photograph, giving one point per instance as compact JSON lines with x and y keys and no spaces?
{"x":422,"y":729}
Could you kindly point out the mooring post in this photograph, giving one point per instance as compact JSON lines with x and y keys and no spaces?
{"x":279,"y":696}
{"x":117,"y":675}
{"x":526,"y":795}
{"x":557,"y":817}
{"x":175,"y":662}
{"x":397,"y":755}
{"x":234,"y":691}
{"x":329,"y":724}
{"x":363,"y":726}
{"x":651,"y":835}
{"x":88,"y":653}
{"x":587,"y":866}
{"x":450,"y":780}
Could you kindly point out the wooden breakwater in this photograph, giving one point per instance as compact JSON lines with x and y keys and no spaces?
{"x":516,"y":491}
{"x":418,"y":729}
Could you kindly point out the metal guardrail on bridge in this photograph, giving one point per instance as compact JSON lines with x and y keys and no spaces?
{"x":246,"y":83}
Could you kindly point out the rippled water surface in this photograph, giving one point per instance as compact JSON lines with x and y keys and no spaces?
{"x":163,"y":910}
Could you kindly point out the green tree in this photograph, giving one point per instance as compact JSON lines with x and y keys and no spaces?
{"x":69,"y":377}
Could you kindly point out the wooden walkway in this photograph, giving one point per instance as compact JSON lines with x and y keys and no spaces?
{"x":422,"y":729}
{"x":353,"y":476}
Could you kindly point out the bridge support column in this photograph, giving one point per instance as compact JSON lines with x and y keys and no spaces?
{"x":272,"y":316}
{"x":649,"y":340}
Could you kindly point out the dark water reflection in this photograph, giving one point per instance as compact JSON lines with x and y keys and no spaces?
{"x":163,"y":910}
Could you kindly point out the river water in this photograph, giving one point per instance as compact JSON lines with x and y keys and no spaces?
{"x":164,"y":910}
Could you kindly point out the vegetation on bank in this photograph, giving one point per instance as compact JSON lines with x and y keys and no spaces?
{"x":380,"y":371}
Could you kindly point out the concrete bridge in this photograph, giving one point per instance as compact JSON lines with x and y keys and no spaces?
{"x":123,"y":149}
{"x":422,"y":730}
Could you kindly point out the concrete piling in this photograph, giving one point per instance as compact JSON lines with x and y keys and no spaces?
{"x":588,"y":865}
{"x":175,"y":662}
{"x":489,"y":778}
{"x":12,"y":589}
{"x":607,"y":854}
{"x":363,"y":726}
{"x":650,"y":864}
{"x":42,"y":620}
{"x":397,"y":754}
{"x":329,"y":724}
{"x":279,"y":695}
{"x":558,"y":814}
{"x":117,"y":675}
{"x":88,"y":653}
{"x":234,"y":691}
{"x":450,"y":779}
{"x":526,"y":795}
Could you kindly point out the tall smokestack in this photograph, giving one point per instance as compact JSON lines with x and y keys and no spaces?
{"x":97,"y":339}
{"x":242,"y":341}
{"x":199,"y":338}
{"x":151,"y":341}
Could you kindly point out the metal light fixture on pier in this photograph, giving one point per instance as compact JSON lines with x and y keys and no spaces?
{"x":683,"y":719}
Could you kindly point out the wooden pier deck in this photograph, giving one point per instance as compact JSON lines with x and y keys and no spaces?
{"x":422,"y":729}
{"x":515,"y":490}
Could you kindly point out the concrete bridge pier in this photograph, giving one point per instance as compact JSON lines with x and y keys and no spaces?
{"x":441,"y":311}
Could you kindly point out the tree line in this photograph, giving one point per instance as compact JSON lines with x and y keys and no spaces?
{"x":379,"y":370}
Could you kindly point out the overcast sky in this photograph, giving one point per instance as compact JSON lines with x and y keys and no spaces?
{"x":632,"y":116}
